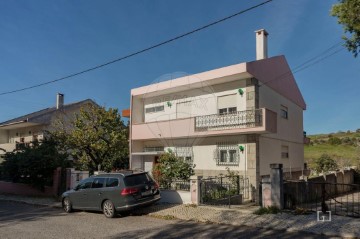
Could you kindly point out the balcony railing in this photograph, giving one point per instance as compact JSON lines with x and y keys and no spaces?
{"x":239,"y":119}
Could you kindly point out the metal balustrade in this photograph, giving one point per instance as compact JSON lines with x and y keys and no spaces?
{"x":239,"y":119}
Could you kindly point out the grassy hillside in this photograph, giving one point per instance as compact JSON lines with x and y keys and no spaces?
{"x":342,"y":146}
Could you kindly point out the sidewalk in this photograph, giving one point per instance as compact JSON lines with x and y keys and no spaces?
{"x":339,"y":226}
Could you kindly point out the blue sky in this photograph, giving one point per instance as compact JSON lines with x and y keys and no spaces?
{"x":45,"y":40}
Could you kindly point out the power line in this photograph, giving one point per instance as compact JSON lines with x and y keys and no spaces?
{"x":310,"y":62}
{"x":140,"y":51}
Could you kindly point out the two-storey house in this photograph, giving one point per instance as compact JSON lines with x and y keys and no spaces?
{"x":243,"y":117}
{"x":23,"y":130}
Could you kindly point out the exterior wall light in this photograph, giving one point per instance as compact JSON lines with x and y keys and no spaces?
{"x":241,"y":148}
{"x":241,"y":92}
{"x":169,"y":104}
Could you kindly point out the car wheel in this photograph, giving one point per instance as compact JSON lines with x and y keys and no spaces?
{"x":67,"y":206}
{"x":109,"y":209}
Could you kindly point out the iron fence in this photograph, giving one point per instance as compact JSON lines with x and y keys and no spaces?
{"x":224,"y":190}
{"x":339,"y":198}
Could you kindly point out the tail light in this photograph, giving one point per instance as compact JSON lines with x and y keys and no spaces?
{"x":156,"y":185}
{"x":129,"y":191}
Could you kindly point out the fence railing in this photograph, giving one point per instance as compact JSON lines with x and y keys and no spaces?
{"x":246,"y":118}
{"x":339,"y":198}
{"x":224,"y":190}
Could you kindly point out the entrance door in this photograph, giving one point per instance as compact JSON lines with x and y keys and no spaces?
{"x":148,"y":165}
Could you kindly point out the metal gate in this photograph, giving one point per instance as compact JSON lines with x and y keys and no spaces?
{"x":340,"y":199}
{"x":226,"y":190}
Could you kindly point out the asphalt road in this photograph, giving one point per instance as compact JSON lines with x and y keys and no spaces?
{"x":19,"y":220}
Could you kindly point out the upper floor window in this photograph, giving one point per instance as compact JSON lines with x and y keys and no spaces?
{"x":227,"y":104}
{"x":154,"y":109}
{"x":284,"y":112}
{"x":284,"y":152}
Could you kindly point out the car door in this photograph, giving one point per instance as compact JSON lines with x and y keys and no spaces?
{"x":95,"y":195}
{"x":79,"y":196}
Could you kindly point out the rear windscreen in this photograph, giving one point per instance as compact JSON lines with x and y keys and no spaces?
{"x":137,"y":179}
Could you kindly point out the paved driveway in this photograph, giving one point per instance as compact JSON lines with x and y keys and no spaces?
{"x":19,"y":220}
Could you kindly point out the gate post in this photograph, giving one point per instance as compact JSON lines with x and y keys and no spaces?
{"x":195,"y":189}
{"x":277,"y":185}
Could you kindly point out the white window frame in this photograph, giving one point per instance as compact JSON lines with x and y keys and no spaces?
{"x":226,"y":150}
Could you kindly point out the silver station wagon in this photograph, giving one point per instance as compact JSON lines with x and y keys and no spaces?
{"x":112,"y":193}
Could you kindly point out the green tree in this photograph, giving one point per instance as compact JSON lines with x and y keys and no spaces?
{"x":325,"y":163}
{"x":34,"y":164}
{"x":348,"y":12}
{"x":95,"y":138}
{"x":170,"y":167}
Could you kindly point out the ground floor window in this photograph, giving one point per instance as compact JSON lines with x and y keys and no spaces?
{"x":185,"y":153}
{"x":227,"y":154}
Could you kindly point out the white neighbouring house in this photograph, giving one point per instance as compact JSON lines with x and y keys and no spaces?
{"x":243,"y":117}
{"x":23,"y":130}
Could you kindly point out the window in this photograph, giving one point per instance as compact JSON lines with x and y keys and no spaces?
{"x":230,"y":110}
{"x":223,"y":111}
{"x":98,"y":183}
{"x":154,"y":109}
{"x":112,"y":182}
{"x":185,"y":153}
{"x":232,"y":156}
{"x":137,"y":179}
{"x":284,"y":112}
{"x":227,"y":154}
{"x":284,"y":152}
{"x":223,"y":156}
{"x":85,"y":184}
{"x":227,"y":104}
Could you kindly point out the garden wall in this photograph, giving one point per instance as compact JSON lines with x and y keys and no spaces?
{"x":175,"y":196}
{"x":28,"y":190}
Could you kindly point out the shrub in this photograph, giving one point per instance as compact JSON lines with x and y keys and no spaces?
{"x":325,"y":164}
{"x":334,"y":141}
{"x":170,"y":167}
{"x":267,"y":210}
{"x":34,"y":165}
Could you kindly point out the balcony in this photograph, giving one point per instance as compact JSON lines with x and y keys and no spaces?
{"x":240,"y":119}
{"x":258,"y":121}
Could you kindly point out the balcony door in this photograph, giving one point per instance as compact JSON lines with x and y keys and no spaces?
{"x":227,"y":104}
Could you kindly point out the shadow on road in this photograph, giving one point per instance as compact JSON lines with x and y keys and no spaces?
{"x":201,"y":230}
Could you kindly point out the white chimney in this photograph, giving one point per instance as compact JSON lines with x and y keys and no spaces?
{"x":261,"y":44}
{"x":59,"y":101}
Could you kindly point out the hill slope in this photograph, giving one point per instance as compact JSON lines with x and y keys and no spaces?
{"x":342,"y":146}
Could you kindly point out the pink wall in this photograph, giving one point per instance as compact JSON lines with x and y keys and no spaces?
{"x":182,"y":128}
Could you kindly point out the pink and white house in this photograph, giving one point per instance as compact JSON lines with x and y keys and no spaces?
{"x":243,"y":117}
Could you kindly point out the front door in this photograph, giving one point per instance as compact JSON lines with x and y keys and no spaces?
{"x":148,"y":165}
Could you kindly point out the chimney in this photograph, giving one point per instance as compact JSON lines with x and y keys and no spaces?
{"x":261,"y":44}
{"x":59,"y":101}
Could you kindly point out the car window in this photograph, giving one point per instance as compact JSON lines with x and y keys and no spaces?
{"x":137,"y":179}
{"x":86,"y":183}
{"x":98,"y":183}
{"x":112,"y":182}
